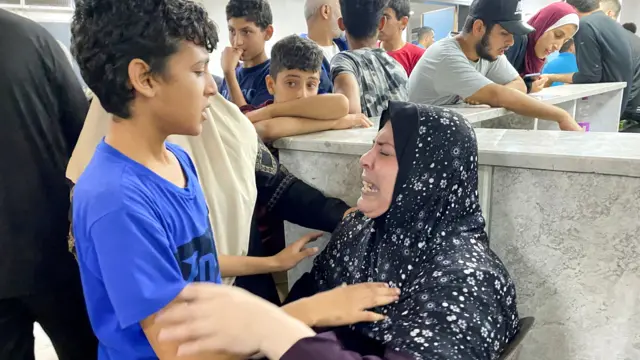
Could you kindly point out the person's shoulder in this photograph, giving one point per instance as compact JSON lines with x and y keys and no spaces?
{"x":110,"y":180}
{"x":102,"y":188}
{"x":24,"y":30}
{"x":348,"y":55}
{"x":444,"y":48}
{"x":414,"y":49}
{"x":383,"y":56}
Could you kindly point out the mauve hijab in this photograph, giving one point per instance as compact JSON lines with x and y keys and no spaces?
{"x":548,"y":18}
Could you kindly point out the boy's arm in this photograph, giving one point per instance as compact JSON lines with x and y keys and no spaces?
{"x":235,"y":92}
{"x":229,"y":61}
{"x":233,"y":266}
{"x":273,"y":129}
{"x":319,"y":107}
{"x":343,"y":75}
{"x":347,"y":85}
{"x":169,"y":350}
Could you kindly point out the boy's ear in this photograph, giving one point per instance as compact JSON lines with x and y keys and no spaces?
{"x":141,"y":79}
{"x":268,"y":33}
{"x":404,"y":21}
{"x":341,"y":24}
{"x":271,"y":85}
{"x":383,"y":22}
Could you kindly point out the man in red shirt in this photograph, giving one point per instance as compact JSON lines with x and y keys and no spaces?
{"x":397,"y":16}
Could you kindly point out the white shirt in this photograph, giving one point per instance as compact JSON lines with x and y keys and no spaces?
{"x":330,"y":51}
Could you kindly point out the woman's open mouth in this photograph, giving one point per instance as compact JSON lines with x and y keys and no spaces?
{"x":368,"y":188}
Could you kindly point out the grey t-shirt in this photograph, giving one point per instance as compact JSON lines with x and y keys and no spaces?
{"x":444,"y":75}
{"x":380,"y":77}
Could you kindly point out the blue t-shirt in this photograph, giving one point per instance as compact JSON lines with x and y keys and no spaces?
{"x":253,"y":83}
{"x":140,"y":240}
{"x":564,"y":63}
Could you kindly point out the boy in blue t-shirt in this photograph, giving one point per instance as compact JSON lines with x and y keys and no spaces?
{"x":250,"y":27}
{"x":140,"y":217}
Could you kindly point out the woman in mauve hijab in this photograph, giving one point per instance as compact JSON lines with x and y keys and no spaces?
{"x":420,"y":229}
{"x":555,"y":24}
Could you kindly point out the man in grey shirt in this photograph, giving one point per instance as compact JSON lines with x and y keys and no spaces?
{"x":471,"y":67}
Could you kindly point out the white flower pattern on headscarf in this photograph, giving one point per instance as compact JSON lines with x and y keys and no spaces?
{"x":458,"y":301}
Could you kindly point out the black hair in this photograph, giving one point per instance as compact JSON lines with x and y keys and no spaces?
{"x":106,"y":35}
{"x":255,"y":11}
{"x":566,"y":46}
{"x":468,"y":25}
{"x":613,"y":5}
{"x":424,"y":31}
{"x":402,"y":8}
{"x":630,"y":26}
{"x":295,"y":53}
{"x":585,"y":6}
{"x":362,"y":17}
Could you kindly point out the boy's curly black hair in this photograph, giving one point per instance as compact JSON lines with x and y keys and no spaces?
{"x":362,"y":17}
{"x":295,"y":53}
{"x":106,"y":35}
{"x":255,"y":11}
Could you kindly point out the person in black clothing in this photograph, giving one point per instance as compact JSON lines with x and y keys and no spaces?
{"x":290,"y":199}
{"x":631,"y":114}
{"x":43,"y":109}
{"x":631,"y":27}
{"x":603,"y":51}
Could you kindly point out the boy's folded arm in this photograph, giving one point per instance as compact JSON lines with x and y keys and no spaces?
{"x":318,"y":107}
{"x":273,"y":129}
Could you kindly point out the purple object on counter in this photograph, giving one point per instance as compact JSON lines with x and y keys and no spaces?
{"x":585,"y":125}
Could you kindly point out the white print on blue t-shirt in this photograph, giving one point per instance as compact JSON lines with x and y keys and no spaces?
{"x":197,"y":259}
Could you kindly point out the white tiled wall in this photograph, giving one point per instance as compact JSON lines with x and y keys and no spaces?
{"x":630,"y":11}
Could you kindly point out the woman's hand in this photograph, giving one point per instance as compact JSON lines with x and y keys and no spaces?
{"x":344,"y":305}
{"x":220,"y":318}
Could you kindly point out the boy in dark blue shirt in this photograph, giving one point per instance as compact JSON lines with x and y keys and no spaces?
{"x":140,"y":217}
{"x":250,"y":27}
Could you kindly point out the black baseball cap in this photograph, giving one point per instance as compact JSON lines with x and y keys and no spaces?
{"x":507,"y":13}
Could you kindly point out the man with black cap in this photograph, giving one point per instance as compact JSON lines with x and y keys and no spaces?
{"x":471,"y":67}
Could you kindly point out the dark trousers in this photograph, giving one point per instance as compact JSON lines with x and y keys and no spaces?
{"x":62,"y":315}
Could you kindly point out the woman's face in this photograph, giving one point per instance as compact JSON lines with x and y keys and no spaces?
{"x":552,"y":40}
{"x":379,"y":172}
